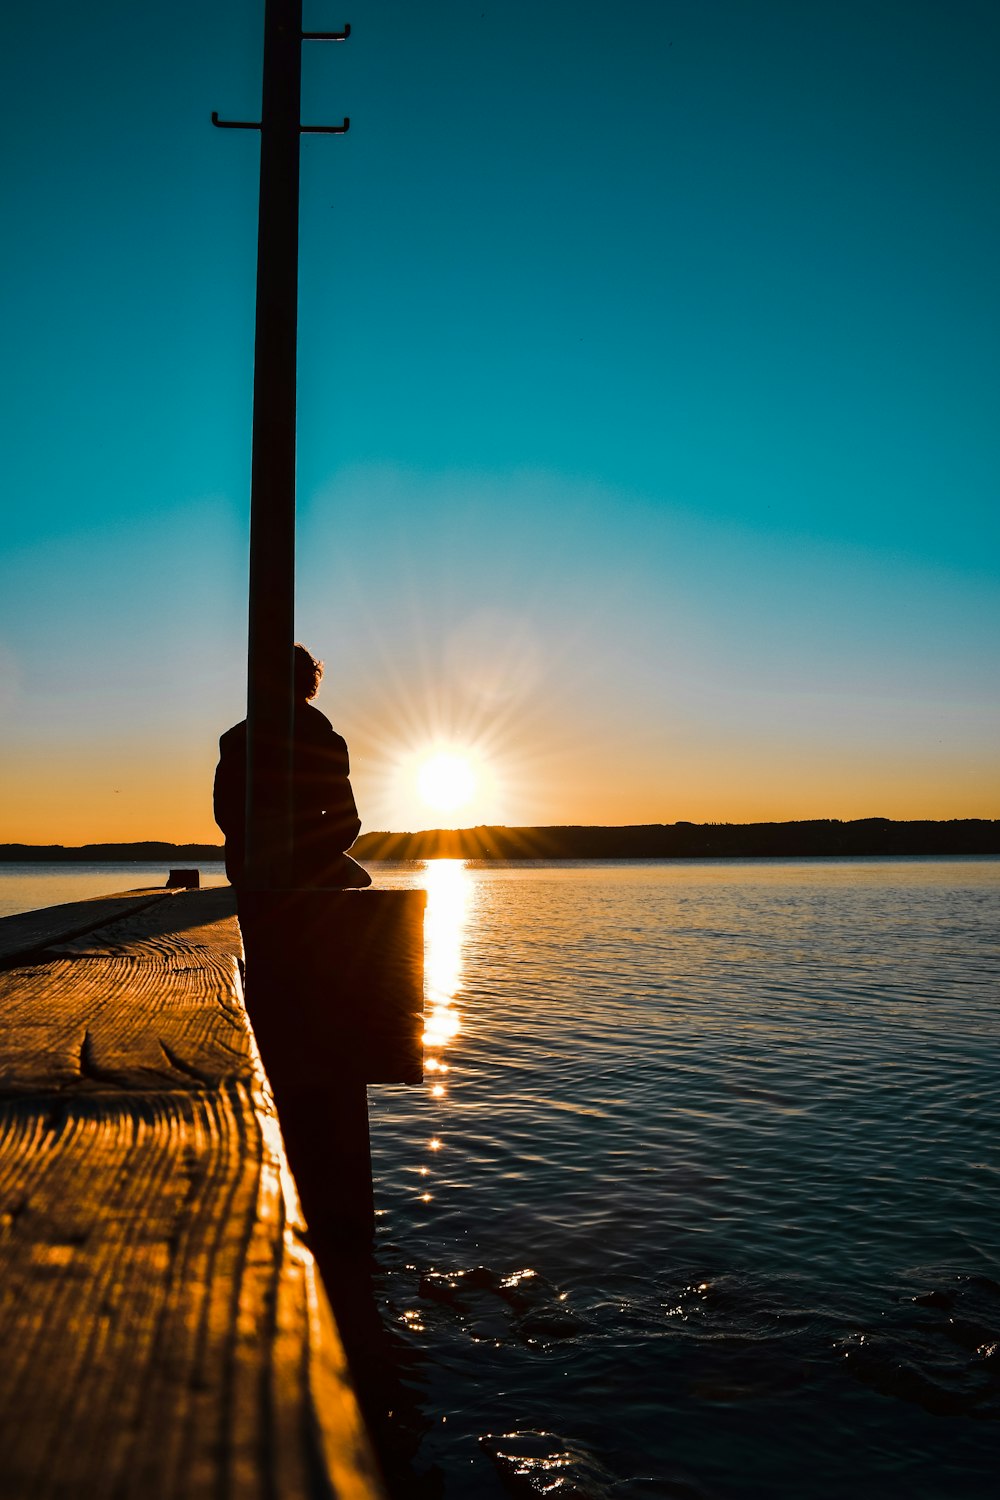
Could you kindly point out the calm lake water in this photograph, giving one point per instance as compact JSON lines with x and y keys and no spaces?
{"x":701,"y":1197}
{"x":30,"y":886}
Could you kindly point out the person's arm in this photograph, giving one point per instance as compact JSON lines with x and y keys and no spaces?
{"x":229,"y":796}
{"x":340,"y":809}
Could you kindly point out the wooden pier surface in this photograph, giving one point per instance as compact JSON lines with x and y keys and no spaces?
{"x":164,"y":1329}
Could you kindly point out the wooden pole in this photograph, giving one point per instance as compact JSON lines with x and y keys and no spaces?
{"x":324,"y":1116}
{"x":272,"y":502}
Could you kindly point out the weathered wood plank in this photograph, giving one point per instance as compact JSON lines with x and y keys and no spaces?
{"x":31,"y":930}
{"x":165,"y":1332}
{"x":117,"y":1022}
{"x":127,"y":1010}
{"x":159,"y":1316}
{"x":189,"y":921}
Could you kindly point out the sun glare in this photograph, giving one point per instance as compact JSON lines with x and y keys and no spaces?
{"x":446,"y":781}
{"x":442,"y":780}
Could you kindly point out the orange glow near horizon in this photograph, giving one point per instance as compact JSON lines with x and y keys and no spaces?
{"x":70,"y":796}
{"x":536,"y":764}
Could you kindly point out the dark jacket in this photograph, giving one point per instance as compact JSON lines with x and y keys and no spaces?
{"x":326,"y":819}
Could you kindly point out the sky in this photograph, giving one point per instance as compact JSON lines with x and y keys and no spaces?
{"x":648,"y":448}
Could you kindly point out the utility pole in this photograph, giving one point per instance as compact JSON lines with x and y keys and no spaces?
{"x":361,"y":950}
{"x":270,"y":703}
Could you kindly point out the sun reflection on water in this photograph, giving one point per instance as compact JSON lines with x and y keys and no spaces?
{"x":447,"y":886}
{"x":444,"y":925}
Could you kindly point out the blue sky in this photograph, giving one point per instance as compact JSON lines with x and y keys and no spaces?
{"x":648,"y":438}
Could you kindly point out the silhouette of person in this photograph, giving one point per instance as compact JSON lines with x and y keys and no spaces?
{"x":326,"y":821}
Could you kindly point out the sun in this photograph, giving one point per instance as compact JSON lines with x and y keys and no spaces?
{"x":446,"y":780}
{"x":443,"y":780}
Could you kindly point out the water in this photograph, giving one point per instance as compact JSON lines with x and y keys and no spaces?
{"x":29,"y":886}
{"x":701,"y":1196}
{"x":708,"y":1204}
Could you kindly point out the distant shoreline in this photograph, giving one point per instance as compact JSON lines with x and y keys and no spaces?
{"x":822,"y":837}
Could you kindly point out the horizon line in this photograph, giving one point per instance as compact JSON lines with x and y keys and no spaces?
{"x":680,"y":823}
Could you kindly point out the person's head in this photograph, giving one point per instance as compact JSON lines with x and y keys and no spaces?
{"x":308,"y":673}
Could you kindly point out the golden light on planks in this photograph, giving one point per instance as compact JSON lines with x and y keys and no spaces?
{"x":164,"y":1326}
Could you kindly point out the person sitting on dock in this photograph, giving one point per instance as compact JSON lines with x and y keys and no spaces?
{"x":326,"y":817}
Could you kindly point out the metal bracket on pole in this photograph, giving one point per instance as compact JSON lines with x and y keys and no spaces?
{"x":303,"y":129}
{"x":327,"y":36}
{"x":234,"y":124}
{"x":326,"y":129}
{"x":307,"y":36}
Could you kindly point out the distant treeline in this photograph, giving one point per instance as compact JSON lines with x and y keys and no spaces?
{"x":820,"y":837}
{"x":86,"y":854}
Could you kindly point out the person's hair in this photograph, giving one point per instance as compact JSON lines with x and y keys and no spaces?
{"x":308,"y":673}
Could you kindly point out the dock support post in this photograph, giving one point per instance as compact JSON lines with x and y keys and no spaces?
{"x":335,"y":997}
{"x":327,"y":1140}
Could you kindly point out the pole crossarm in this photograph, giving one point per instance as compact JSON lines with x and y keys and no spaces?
{"x":305,"y":36}
{"x":303,"y":129}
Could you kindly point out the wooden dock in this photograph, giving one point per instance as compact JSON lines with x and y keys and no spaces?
{"x":164,"y":1328}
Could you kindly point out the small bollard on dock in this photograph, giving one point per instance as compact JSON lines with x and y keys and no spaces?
{"x":334,"y":986}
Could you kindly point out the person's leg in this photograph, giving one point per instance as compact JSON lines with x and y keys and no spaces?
{"x":320,"y":868}
{"x":346,"y":874}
